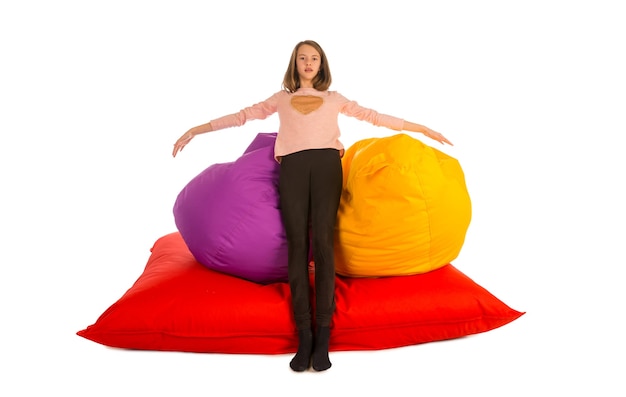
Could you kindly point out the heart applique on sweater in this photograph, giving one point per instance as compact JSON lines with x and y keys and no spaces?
{"x":305,"y":104}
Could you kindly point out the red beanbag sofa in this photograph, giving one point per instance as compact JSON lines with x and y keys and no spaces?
{"x":178,"y":304}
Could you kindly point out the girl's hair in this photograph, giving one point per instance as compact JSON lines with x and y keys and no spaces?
{"x":321,"y":82}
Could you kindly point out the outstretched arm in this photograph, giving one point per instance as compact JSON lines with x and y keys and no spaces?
{"x":413,"y":127}
{"x":257,"y":111}
{"x":188,"y":136}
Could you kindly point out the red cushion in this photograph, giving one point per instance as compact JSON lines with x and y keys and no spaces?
{"x":179,"y":305}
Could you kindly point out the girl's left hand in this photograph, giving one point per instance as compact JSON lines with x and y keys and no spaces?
{"x":437,"y":136}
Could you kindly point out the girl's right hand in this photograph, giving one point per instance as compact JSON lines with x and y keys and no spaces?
{"x":182,"y":142}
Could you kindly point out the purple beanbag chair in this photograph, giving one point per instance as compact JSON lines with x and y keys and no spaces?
{"x":229,"y":216}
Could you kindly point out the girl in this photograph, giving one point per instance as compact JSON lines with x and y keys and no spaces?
{"x":310,"y":183}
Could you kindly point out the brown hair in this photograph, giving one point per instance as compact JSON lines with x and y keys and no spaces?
{"x":321,"y":82}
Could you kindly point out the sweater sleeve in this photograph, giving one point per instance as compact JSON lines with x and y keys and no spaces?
{"x":353,"y":109}
{"x":258,"y":111}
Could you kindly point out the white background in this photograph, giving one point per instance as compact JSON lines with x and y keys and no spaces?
{"x":532,"y":94}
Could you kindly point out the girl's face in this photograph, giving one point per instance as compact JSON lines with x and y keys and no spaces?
{"x":308,"y":63}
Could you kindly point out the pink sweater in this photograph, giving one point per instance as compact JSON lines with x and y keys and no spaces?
{"x":308,"y":119}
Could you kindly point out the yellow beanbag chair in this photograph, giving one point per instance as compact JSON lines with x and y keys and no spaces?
{"x":404,"y":209}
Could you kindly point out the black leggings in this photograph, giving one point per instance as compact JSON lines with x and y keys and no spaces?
{"x":310,"y":186}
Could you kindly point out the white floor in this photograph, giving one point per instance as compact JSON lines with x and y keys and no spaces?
{"x":93,"y":98}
